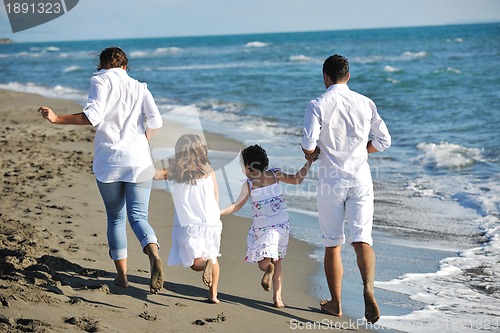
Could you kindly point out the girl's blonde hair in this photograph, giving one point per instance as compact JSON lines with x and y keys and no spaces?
{"x":190,"y":162}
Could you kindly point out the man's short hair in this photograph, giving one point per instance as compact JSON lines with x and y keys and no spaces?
{"x":336,"y":67}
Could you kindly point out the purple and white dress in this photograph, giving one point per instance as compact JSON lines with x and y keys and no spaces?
{"x":270,"y":230}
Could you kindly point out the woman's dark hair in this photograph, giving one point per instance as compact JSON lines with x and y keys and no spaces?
{"x":255,"y":157}
{"x":336,"y":67}
{"x":112,"y":57}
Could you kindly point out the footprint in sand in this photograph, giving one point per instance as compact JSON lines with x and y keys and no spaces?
{"x":146,"y":316}
{"x":85,"y":323}
{"x":181,"y":305}
{"x":221,"y":317}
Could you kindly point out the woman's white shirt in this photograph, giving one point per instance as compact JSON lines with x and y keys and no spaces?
{"x":121,"y":108}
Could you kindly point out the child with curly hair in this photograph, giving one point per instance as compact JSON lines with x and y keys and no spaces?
{"x":267,"y":239}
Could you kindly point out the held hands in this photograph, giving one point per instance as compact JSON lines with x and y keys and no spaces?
{"x":160,"y":174}
{"x":311,"y":157}
{"x":48,"y":114}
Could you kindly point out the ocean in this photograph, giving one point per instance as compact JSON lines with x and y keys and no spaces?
{"x":437,"y":189}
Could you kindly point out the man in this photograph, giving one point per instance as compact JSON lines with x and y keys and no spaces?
{"x":346,"y":127}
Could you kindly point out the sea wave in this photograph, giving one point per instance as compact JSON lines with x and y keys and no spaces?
{"x":221,"y":106}
{"x":72,"y":69}
{"x":160,"y":51}
{"x":57,"y":91}
{"x":391,"y":69}
{"x":302,"y":58}
{"x":45,"y":49}
{"x":448,"y":155}
{"x":256,"y":44}
{"x":378,"y":58}
{"x":246,"y":64}
{"x":165,"y":50}
{"x":462,"y":295}
{"x":202,"y":67}
{"x":456,"y":40}
{"x":415,"y":55}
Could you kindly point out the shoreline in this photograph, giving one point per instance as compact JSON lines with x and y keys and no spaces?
{"x":55,"y":272}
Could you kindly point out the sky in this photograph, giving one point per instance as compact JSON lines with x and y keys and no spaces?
{"x":119,"y":19}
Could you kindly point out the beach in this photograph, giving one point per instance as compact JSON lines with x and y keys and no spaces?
{"x":437,"y":192}
{"x":55,"y":273}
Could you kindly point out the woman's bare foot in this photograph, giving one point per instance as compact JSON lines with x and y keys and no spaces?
{"x":120,"y":282}
{"x":372,"y":312}
{"x":268,"y":277}
{"x":156,"y":276}
{"x":213,"y":301}
{"x":329,"y":307}
{"x":206,"y":277}
{"x":278,"y":303}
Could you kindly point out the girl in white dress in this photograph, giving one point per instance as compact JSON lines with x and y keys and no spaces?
{"x":267,"y":239}
{"x":197,"y":226}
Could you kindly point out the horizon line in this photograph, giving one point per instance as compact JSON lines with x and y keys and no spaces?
{"x":13,"y":41}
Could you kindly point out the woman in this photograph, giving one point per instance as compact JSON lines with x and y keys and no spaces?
{"x":125,"y":116}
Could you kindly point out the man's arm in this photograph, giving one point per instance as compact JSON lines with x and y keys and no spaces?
{"x":310,"y":132}
{"x":379,"y":134}
{"x":371,"y":148}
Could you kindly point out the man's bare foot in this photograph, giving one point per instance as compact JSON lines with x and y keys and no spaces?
{"x":372,"y":312}
{"x":213,"y":301}
{"x":206,"y":277}
{"x":329,"y":307}
{"x":121,"y":282}
{"x":268,"y":277}
{"x":156,"y":276}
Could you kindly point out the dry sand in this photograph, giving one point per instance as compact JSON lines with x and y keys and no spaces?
{"x":55,"y":273}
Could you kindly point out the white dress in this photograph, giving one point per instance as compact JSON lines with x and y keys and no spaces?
{"x":197,"y":226}
{"x":270,"y":230}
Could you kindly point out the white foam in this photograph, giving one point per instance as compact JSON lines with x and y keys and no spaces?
{"x":158,"y":52}
{"x":368,"y":59}
{"x":231,"y":123}
{"x":57,"y":91}
{"x":391,"y":69}
{"x":453,"y":70}
{"x":28,"y":54}
{"x":72,"y":69}
{"x":462,"y":294}
{"x":415,"y":55}
{"x":138,"y":54}
{"x":221,"y":106}
{"x":167,"y":50}
{"x":205,"y":67}
{"x":301,"y":57}
{"x":405,"y":56}
{"x":256,"y":44}
{"x":448,"y":155}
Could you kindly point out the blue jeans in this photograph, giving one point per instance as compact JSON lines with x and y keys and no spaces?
{"x":124,"y":200}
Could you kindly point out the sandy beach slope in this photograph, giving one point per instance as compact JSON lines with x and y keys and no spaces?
{"x":56,"y":276}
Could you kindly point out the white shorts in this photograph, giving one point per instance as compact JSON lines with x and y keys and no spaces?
{"x":353,"y":205}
